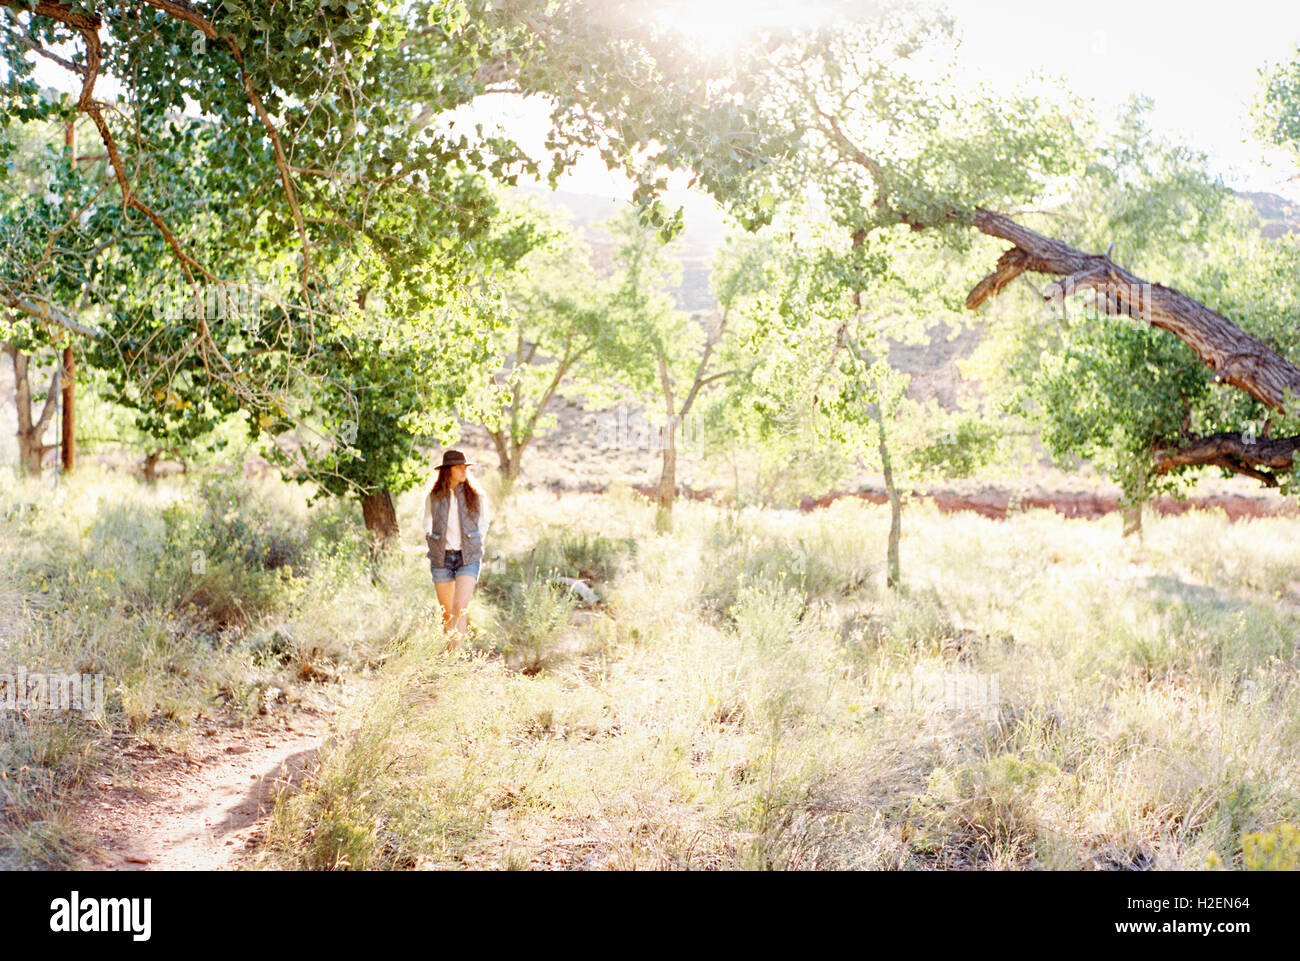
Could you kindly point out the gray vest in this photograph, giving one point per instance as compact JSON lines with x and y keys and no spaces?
{"x":471,"y":541}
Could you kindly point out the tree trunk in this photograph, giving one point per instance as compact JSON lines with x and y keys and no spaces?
{"x":513,"y":465}
{"x":893,"y":576}
{"x":510,"y":458}
{"x":381,"y":520}
{"x":151,"y":465}
{"x":31,"y":431}
{"x":68,"y":429}
{"x":68,"y":432}
{"x":667,"y":490}
{"x":510,"y":471}
{"x":735,"y":477}
{"x":1132,"y":513}
{"x":503,"y":450}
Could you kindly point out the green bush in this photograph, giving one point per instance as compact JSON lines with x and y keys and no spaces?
{"x":536,"y":616}
{"x":742,"y":552}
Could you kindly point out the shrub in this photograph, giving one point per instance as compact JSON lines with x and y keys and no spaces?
{"x":533,"y":625}
{"x":592,"y":558}
{"x":815,"y":563}
{"x":990,"y":810}
{"x":1276,"y":850}
{"x":908,"y":623}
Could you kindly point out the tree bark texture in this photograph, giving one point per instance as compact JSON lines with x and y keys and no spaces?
{"x":381,"y":520}
{"x":1237,"y":358}
{"x":666,"y":491}
{"x":893,"y":563}
{"x":31,"y":430}
{"x":68,"y":429}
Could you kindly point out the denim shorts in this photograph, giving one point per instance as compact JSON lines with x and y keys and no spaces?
{"x":452,"y":568}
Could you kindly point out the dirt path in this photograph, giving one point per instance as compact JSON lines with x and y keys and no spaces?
{"x":202,"y":809}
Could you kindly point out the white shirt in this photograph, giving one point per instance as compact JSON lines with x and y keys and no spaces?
{"x":453,"y":527}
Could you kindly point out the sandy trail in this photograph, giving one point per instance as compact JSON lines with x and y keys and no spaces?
{"x":205,"y":808}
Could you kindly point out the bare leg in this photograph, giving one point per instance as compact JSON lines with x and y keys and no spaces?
{"x":446,"y":592}
{"x":460,"y":605}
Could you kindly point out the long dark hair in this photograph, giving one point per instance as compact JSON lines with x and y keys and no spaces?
{"x":473,"y":496}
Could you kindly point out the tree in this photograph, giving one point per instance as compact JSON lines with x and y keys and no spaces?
{"x":821,"y":351}
{"x":39,"y":163}
{"x":1159,"y":381}
{"x":1153,"y":204}
{"x":555,"y":320}
{"x":656,"y":350}
{"x":754,"y":422}
{"x":885,"y":144}
{"x":342,"y":107}
{"x":1234,"y":356}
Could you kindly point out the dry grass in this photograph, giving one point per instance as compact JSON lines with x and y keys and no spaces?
{"x":746,"y":695}
{"x":1044,"y":695}
{"x":224,"y":598}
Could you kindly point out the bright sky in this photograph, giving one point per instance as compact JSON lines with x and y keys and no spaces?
{"x":1198,"y":60}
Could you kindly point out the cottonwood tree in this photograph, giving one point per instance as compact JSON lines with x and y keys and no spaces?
{"x":660,"y":353}
{"x":887,"y":143}
{"x":744,"y":425}
{"x":823,"y":332}
{"x":215,"y":100}
{"x":1157,"y":208}
{"x":40,"y":185}
{"x":1151,"y":402}
{"x":555,"y":319}
{"x":312,"y":141}
{"x":343,"y":106}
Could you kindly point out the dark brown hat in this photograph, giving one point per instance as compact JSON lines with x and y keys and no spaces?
{"x":453,"y":458}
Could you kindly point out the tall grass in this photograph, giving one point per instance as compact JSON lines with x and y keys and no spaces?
{"x":1041,"y":695}
{"x":196,"y":599}
{"x":745,"y":693}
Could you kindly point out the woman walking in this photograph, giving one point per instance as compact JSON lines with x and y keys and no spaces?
{"x":455,"y":525}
